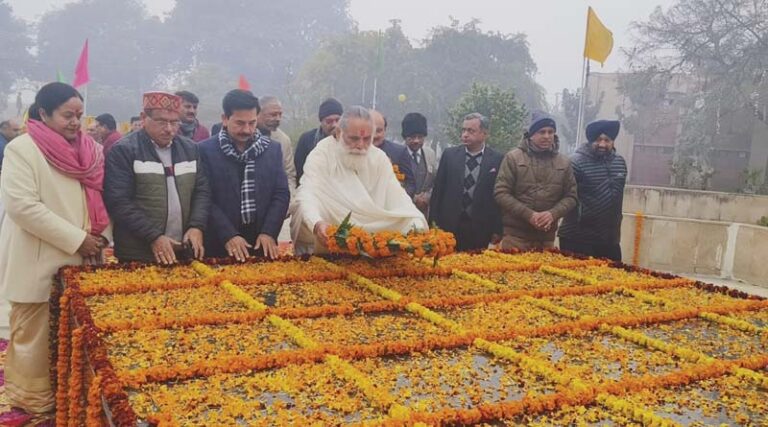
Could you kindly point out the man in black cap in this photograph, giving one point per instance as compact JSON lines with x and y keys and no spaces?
{"x":594,"y":228}
{"x":329,"y":114}
{"x":535,"y":187}
{"x":423,"y":158}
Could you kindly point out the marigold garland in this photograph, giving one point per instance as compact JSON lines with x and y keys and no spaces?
{"x":569,"y":274}
{"x":639,"y":222}
{"x":641,"y":415}
{"x":572,"y":392}
{"x":347,"y":238}
{"x":399,"y":175}
{"x":242,"y":296}
{"x":734,"y":323}
{"x":477,"y":279}
{"x":93,"y":411}
{"x":62,"y":363}
{"x":712,"y":317}
{"x":76,"y":383}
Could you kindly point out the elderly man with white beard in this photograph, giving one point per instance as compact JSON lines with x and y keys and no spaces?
{"x":342,"y":175}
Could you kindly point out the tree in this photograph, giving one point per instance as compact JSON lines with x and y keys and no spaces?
{"x":500,"y":106}
{"x":568,"y":127}
{"x":267,"y":41}
{"x":431,"y":77}
{"x":456,"y":56}
{"x":721,"y":47}
{"x":124,"y":50}
{"x":210,"y":82}
{"x":15,"y":54}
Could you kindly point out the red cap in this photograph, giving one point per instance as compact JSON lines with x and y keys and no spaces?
{"x":161,"y":101}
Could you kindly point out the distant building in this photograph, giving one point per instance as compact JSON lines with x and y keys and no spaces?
{"x":648,"y":139}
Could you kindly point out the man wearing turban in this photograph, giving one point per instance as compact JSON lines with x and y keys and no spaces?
{"x":594,"y":228}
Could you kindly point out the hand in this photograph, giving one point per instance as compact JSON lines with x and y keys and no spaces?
{"x":162,"y":247}
{"x":91,"y":246}
{"x":535,"y":219}
{"x":548,"y":221}
{"x":543,"y":220}
{"x":195,"y":237}
{"x":421,"y":201}
{"x":238,"y":248}
{"x":321,"y":228}
{"x":268,"y":244}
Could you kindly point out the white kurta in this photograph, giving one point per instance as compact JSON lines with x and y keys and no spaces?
{"x":329,"y":191}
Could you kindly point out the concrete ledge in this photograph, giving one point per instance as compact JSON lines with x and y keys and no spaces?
{"x":704,"y":205}
{"x":692,"y":246}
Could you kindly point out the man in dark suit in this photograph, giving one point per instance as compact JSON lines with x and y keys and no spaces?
{"x":398,"y":154}
{"x":462,"y":198}
{"x":249,"y":188}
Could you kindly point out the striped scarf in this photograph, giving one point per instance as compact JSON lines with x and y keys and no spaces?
{"x":256,"y":147}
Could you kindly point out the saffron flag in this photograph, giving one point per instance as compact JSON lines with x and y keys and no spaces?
{"x":243,"y":83}
{"x":81,"y":69}
{"x":599,"y":41}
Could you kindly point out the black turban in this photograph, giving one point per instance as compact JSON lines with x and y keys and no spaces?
{"x":608,"y":127}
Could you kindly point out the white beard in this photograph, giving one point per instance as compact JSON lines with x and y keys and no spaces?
{"x":353,"y":160}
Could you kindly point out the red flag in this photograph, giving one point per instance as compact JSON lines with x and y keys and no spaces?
{"x":81,"y":69}
{"x":243,"y":83}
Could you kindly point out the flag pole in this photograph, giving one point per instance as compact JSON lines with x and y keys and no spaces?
{"x":584,"y":77}
{"x":375,"y":81}
{"x":582,"y":100}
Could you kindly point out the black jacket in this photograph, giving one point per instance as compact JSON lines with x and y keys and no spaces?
{"x":307,"y":142}
{"x":600,"y":180}
{"x":446,"y":203}
{"x":136,"y":194}
{"x":226,"y":176}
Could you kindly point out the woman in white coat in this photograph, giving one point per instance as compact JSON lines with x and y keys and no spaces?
{"x":51,"y":187}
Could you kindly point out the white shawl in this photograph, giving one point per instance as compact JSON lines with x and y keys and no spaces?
{"x":329,"y":191}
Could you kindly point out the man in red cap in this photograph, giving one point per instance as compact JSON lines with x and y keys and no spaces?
{"x":155,"y":189}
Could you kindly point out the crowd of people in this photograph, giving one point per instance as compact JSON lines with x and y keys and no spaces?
{"x":171,"y":189}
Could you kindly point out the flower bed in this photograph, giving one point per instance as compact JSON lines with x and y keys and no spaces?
{"x":502,"y":338}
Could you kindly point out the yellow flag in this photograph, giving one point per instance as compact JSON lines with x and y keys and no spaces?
{"x":599,"y":41}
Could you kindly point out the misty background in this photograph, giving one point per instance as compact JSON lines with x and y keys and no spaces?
{"x":280,"y":47}
{"x":688,"y":78}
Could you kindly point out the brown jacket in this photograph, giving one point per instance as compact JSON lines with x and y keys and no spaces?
{"x":530,"y":182}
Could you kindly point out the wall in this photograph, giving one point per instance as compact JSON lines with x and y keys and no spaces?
{"x":697,"y":232}
{"x":692,"y":204}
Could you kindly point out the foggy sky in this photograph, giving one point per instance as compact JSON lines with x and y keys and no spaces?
{"x":555,"y":28}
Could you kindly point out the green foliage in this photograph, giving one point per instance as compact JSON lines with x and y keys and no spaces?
{"x":505,"y":114}
{"x":432,"y":77}
{"x":754,"y":182}
{"x":567,"y":127}
{"x":267,"y":41}
{"x":763,"y":221}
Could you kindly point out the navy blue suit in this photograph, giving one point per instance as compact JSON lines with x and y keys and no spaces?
{"x":398,"y":155}
{"x":225,"y":176}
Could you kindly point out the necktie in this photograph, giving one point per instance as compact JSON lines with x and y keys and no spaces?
{"x":415,"y":155}
{"x":471,"y":172}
